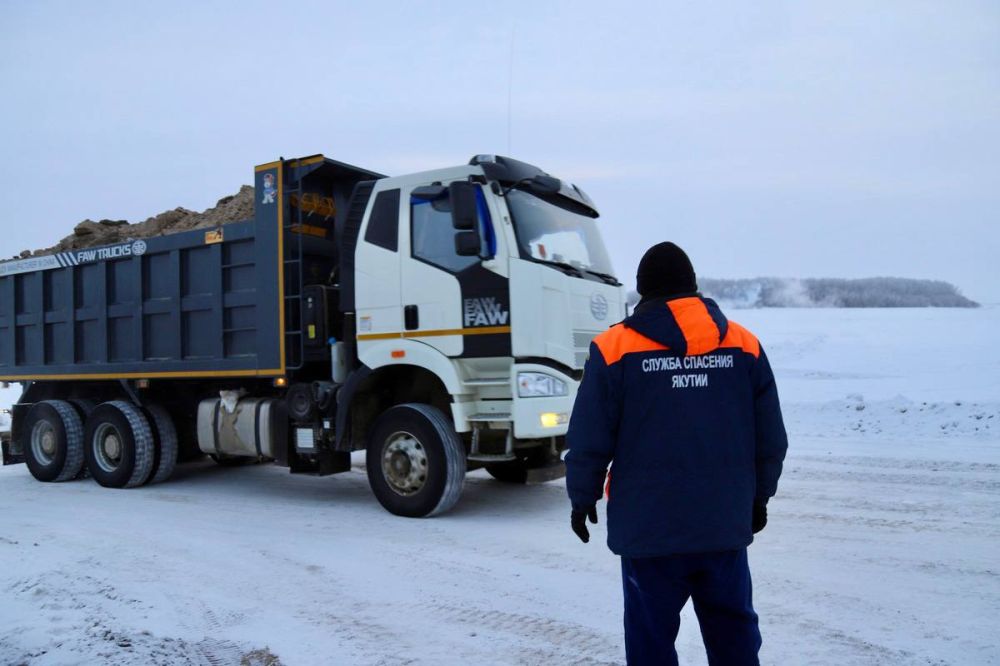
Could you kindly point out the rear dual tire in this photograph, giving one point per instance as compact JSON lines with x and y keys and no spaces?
{"x":54,"y":446}
{"x":120,"y":448}
{"x":165,"y":436}
{"x":84,"y":407}
{"x":115,"y":442}
{"x":127,"y":446}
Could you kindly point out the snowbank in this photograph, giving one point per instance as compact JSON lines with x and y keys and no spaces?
{"x":878,"y":292}
{"x":897,"y":418}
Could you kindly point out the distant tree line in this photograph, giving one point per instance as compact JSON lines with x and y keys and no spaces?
{"x":878,"y":292}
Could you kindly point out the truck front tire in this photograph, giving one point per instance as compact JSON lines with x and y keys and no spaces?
{"x":53,"y":449}
{"x":415,"y":461}
{"x":119,"y":445}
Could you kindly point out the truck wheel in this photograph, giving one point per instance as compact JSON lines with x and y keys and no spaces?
{"x":165,"y":436}
{"x":119,"y":445}
{"x":415,"y":461}
{"x":54,"y":447}
{"x":84,"y":407}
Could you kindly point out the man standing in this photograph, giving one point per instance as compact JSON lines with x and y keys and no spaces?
{"x":682,"y":404}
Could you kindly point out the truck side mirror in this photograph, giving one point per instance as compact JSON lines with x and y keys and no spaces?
{"x":467,"y":244}
{"x":464,"y":209}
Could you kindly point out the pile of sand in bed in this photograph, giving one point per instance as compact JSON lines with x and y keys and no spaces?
{"x":234,"y":208}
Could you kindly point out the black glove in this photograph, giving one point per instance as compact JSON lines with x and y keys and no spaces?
{"x":759,"y":515}
{"x":578,"y":521}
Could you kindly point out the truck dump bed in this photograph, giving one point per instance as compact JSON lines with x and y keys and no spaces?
{"x":221,"y":302}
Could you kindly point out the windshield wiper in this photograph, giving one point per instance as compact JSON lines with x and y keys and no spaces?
{"x":576,"y":270}
{"x":610,"y":279}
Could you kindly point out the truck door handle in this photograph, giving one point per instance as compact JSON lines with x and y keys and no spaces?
{"x":411,"y":317}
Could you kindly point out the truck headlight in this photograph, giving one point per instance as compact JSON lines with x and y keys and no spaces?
{"x":539,"y":384}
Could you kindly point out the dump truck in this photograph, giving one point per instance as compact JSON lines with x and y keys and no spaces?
{"x":439,"y":321}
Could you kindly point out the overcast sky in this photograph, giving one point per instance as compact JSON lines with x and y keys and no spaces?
{"x":799,"y":139}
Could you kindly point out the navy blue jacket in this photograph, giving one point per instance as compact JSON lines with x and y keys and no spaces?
{"x":682,"y":403}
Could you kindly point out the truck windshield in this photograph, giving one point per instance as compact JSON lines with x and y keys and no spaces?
{"x":548,"y":233}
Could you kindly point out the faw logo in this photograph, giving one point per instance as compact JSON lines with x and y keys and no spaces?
{"x":486,"y":311}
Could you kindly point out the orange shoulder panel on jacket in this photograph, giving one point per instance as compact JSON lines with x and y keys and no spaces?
{"x":737,"y":336}
{"x":696,"y":324}
{"x":620,"y":340}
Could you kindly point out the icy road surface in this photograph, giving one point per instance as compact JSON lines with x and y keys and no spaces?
{"x":883,"y":545}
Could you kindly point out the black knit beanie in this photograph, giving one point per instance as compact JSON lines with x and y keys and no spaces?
{"x":665,"y":270}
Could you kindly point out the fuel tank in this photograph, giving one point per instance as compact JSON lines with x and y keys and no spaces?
{"x":252,"y":427}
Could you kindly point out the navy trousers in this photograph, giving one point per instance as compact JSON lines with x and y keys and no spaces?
{"x":656,"y":589}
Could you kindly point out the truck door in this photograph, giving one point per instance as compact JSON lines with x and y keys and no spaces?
{"x":450,"y":301}
{"x":379,"y":305}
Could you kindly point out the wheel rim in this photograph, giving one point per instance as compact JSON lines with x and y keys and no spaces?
{"x":108,"y":448}
{"x":404,"y":463}
{"x":43,"y":442}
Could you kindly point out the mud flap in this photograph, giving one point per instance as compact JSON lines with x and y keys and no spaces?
{"x":13,"y":454}
{"x":10,"y":457}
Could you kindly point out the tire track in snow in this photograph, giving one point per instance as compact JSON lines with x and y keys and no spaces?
{"x":358,"y":623}
{"x":216,"y":652}
{"x":552,"y":641}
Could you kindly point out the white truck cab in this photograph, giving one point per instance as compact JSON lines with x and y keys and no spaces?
{"x":494,"y":278}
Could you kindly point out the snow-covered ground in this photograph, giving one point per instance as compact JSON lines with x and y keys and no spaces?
{"x":883,"y":545}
